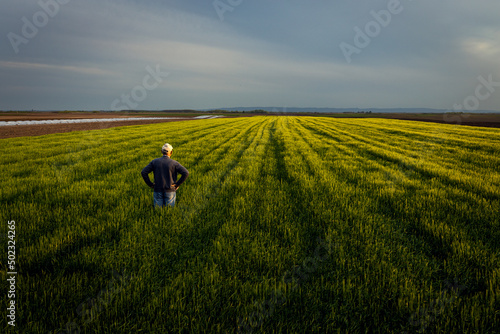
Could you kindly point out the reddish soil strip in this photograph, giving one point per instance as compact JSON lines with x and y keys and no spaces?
{"x":483,"y":120}
{"x":480,"y":124}
{"x":38,"y":116}
{"x":44,"y":129}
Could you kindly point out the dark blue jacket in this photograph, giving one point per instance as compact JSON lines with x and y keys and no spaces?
{"x":165,"y":174}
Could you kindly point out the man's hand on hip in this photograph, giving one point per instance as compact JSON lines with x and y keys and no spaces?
{"x":175,"y":186}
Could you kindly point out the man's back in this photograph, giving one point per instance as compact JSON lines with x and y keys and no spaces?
{"x":165,"y":172}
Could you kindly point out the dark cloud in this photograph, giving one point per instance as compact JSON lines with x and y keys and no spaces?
{"x":282,"y":53}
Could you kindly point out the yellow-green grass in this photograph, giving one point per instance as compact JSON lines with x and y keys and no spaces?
{"x":407,"y":215}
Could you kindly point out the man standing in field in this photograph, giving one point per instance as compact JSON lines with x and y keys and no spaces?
{"x":165,"y":177}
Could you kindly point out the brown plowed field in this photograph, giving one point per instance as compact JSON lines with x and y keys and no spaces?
{"x":39,"y":116}
{"x":11,"y":131}
{"x":483,"y":120}
{"x":44,"y":129}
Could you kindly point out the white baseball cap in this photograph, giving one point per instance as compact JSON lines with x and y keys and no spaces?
{"x":167,"y":148}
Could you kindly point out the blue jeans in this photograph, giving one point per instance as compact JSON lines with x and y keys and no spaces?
{"x":162,"y":199}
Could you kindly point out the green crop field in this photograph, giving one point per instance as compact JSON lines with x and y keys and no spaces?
{"x":285,"y":225}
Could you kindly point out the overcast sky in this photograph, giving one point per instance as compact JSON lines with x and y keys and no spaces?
{"x":171,"y":54}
